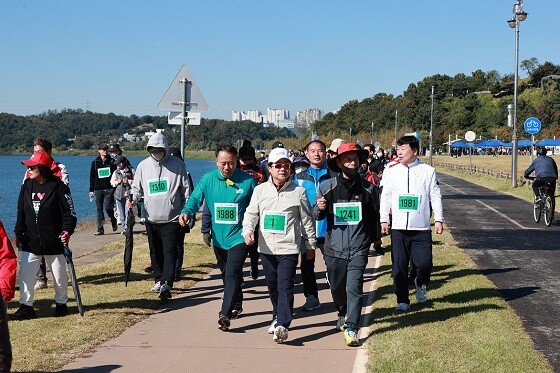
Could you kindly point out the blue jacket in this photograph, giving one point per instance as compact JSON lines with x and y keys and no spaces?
{"x":310,"y":180}
{"x":544,"y":166}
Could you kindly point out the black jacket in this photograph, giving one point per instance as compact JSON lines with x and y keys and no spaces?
{"x":40,"y":235}
{"x":349,"y":241}
{"x":97,"y":183}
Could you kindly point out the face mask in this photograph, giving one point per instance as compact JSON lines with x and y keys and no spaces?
{"x":379,"y":155}
{"x":300,"y":169}
{"x":158,"y":156}
{"x":350,"y":172}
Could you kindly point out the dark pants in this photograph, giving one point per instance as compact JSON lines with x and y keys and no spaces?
{"x":42,"y":272}
{"x":180,"y":253}
{"x":5,"y":345}
{"x":407,"y":244}
{"x":280,"y":273}
{"x":162,"y":239}
{"x":347,"y":281}
{"x":104,"y":201}
{"x":542,"y":181}
{"x":307,"y":268}
{"x":231,"y":263}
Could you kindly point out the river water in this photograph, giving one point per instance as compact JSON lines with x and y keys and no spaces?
{"x":12,"y":171}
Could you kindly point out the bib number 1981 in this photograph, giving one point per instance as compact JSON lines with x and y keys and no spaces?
{"x":408,"y":203}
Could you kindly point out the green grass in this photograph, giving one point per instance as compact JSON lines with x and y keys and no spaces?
{"x":47,"y":343}
{"x":465,"y":326}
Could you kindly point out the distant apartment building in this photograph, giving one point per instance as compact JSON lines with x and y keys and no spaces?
{"x":307,"y":117}
{"x":273,"y":117}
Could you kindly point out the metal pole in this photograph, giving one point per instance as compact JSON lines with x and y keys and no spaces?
{"x":514,"y":137}
{"x":184,"y":122}
{"x":532,"y":147}
{"x":371,"y":133}
{"x":396,"y":121}
{"x":431,"y":124}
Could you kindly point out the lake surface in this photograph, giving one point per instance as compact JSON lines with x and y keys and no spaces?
{"x":12,"y":171}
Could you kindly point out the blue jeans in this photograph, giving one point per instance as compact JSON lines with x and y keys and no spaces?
{"x":280,"y":272}
{"x":104,"y":201}
{"x":231,"y":265}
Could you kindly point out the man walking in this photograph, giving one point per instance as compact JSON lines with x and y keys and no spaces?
{"x":410,"y":192}
{"x":351,"y":208}
{"x":227,"y":192}
{"x":100,"y":186}
{"x":316,"y":173}
{"x":163,"y":182}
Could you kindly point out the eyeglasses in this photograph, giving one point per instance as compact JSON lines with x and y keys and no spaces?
{"x":285,"y":166}
{"x":32,"y":168}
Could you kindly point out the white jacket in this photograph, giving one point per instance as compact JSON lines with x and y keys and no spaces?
{"x":289,"y":205}
{"x":415,"y":187}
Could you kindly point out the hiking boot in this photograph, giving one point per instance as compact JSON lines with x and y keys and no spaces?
{"x":403,"y":307}
{"x":114,"y":224}
{"x":157,"y":287}
{"x":24,"y":312}
{"x":351,"y":337}
{"x":61,"y":310}
{"x":224,"y":323}
{"x":340,"y":323}
{"x":40,"y":284}
{"x":311,"y":303}
{"x":99,"y":233}
{"x":164,"y":291}
{"x":280,"y":334}
{"x":272,"y":326}
{"x":236,"y":313}
{"x":421,"y":293}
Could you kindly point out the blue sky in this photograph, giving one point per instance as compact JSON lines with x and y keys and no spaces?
{"x":121,"y":56}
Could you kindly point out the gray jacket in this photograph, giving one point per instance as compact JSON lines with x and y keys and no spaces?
{"x":164,"y":184}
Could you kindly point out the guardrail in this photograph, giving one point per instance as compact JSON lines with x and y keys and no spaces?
{"x":482,"y":171}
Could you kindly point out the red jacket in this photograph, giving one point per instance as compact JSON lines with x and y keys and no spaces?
{"x":8,"y":265}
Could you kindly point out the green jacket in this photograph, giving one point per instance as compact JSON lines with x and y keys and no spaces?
{"x":227,"y":201}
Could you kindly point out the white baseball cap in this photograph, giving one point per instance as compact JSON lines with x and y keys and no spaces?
{"x":277,"y":154}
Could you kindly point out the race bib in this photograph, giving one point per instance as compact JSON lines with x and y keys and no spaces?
{"x":275,"y":222}
{"x":226,"y":213}
{"x":104,"y":172}
{"x":158,"y":186}
{"x":408,"y":202}
{"x":347,"y":213}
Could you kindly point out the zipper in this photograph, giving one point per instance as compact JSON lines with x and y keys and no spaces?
{"x":408,"y":191}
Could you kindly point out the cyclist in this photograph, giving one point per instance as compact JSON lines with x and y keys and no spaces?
{"x":546,"y":171}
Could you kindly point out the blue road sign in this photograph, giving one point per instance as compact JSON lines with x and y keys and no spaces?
{"x":532,"y":125}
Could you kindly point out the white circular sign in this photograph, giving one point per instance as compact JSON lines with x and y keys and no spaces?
{"x":470,"y":136}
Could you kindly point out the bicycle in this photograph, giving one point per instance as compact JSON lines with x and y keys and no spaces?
{"x":544,"y":203}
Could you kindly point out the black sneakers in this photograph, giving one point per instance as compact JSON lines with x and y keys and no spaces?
{"x":114,"y":224}
{"x":61,"y":310}
{"x":99,"y":233}
{"x":24,"y":312}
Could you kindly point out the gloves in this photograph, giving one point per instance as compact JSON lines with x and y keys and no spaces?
{"x":65,"y":237}
{"x":207,"y":238}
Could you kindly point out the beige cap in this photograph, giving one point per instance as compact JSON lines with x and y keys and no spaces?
{"x":335,"y":144}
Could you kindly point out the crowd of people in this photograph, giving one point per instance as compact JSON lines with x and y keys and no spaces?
{"x":278,"y":208}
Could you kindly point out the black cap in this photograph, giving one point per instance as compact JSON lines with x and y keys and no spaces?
{"x":115,"y":148}
{"x":102,"y":145}
{"x":277,"y":144}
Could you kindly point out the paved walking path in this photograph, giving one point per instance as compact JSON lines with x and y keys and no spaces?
{"x":183,"y":335}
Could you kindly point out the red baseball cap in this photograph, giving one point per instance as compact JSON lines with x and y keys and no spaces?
{"x":40,"y":158}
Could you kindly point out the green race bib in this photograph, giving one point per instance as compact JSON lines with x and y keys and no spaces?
{"x":409,"y":202}
{"x":347,"y":213}
{"x":158,"y":186}
{"x":226,"y":213}
{"x":275,"y":222}
{"x":104,"y":172}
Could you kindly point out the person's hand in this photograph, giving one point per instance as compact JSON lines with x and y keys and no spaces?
{"x":384,"y":228}
{"x":249,"y":239}
{"x":321,"y":203}
{"x":439,"y":227}
{"x":65,"y":237}
{"x":310,"y":254}
{"x":207,"y":238}
{"x":184,"y":220}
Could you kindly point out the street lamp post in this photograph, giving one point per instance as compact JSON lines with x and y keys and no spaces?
{"x":518,"y":16}
{"x":431,"y":125}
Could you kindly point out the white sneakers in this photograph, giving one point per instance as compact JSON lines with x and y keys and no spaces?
{"x":272,"y":327}
{"x":403,"y":307}
{"x":280,"y":334}
{"x":157,"y":287}
{"x":421,"y":293}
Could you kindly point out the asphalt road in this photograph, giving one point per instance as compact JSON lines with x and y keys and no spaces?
{"x":521,"y":257}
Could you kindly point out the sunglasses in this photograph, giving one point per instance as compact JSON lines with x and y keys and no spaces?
{"x":285,"y":166}
{"x":32,"y":168}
